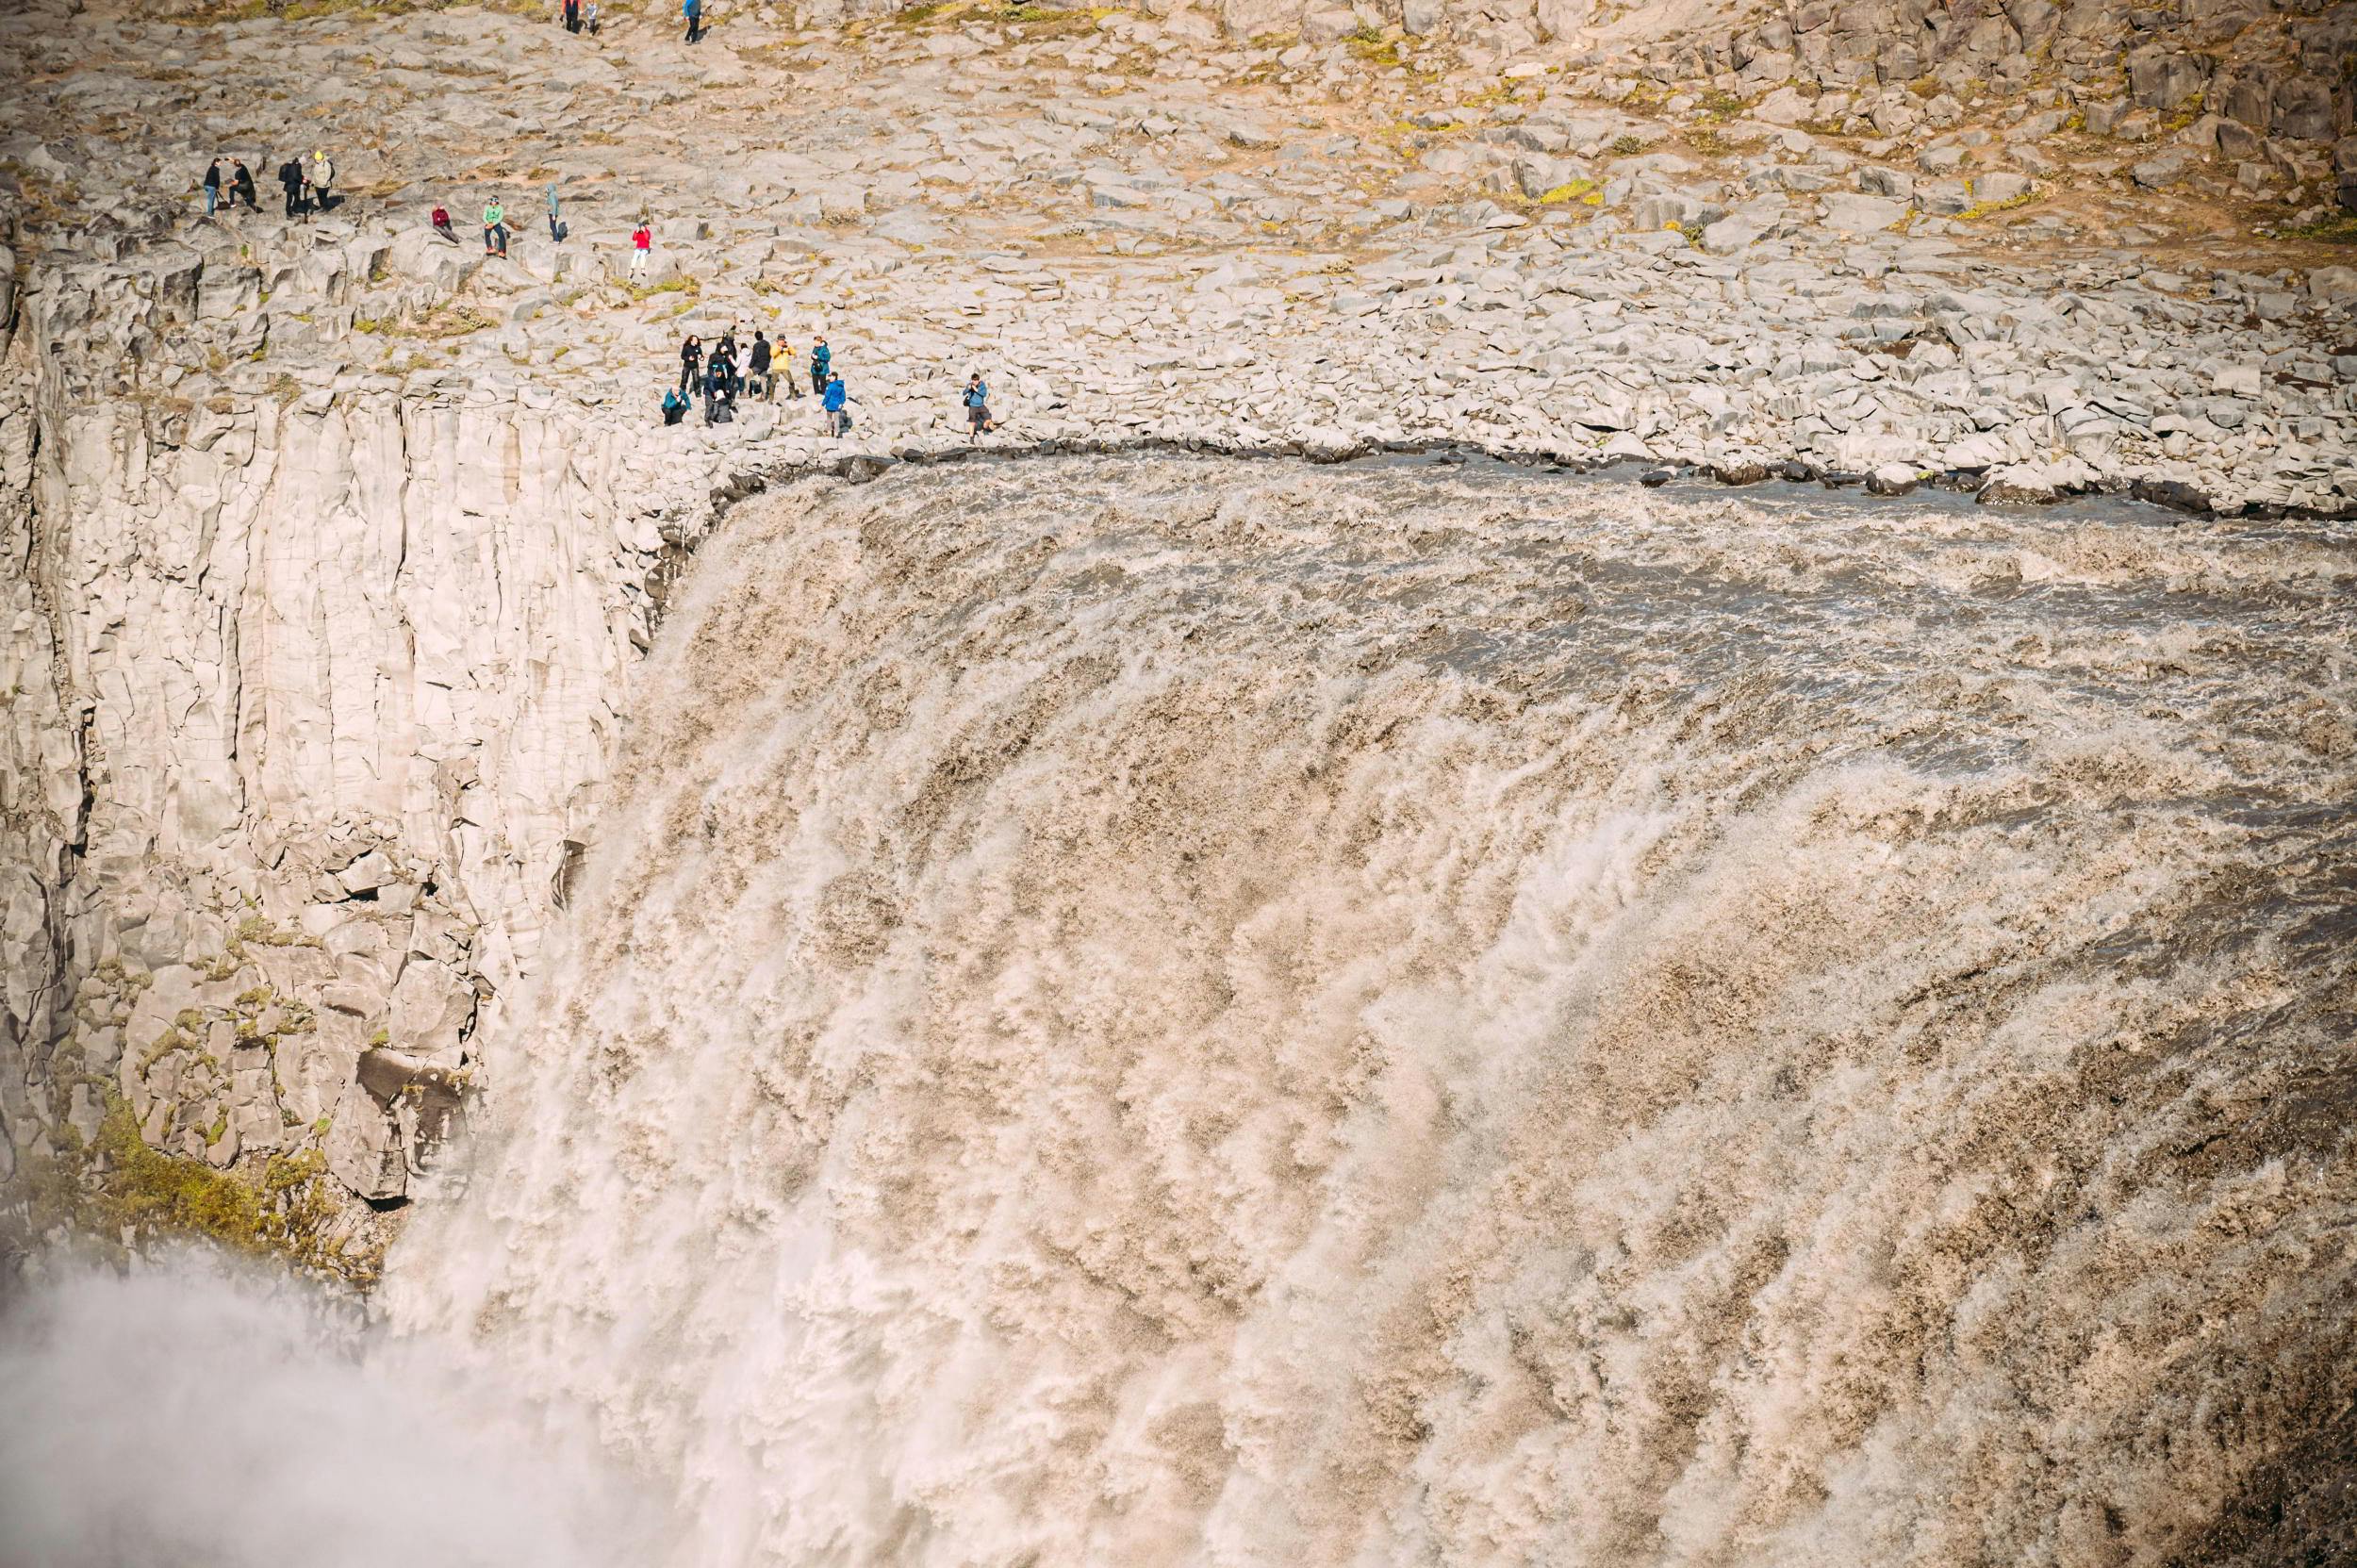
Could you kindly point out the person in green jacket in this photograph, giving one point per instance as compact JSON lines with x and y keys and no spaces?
{"x":494,"y":229}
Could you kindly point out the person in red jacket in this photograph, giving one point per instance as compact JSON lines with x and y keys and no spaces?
{"x":641,"y":247}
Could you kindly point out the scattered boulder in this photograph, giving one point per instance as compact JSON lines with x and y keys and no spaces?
{"x":2165,"y":168}
{"x":1735,"y":231}
{"x":2333,"y":286}
{"x":2175,"y":494}
{"x":2017,"y":485}
{"x":1893,"y":479}
{"x":2000,"y":190}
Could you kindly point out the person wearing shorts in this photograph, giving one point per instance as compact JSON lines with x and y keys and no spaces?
{"x":978,"y":418}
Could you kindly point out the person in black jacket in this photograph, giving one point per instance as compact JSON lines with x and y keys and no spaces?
{"x":291,"y":176}
{"x":242,"y":185}
{"x":762,"y":384}
{"x":691,"y":363}
{"x":212,"y":186}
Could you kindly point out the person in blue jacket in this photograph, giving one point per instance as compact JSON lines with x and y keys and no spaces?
{"x":693,"y":11}
{"x":675,"y":405}
{"x":978,"y":407}
{"x":836,"y":396}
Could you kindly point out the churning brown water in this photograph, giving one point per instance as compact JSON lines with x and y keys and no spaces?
{"x":1185,"y":1012}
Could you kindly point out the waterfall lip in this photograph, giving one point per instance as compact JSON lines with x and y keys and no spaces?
{"x":1788,"y":479}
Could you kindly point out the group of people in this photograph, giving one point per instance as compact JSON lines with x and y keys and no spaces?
{"x":308,"y":183}
{"x":713,"y":373}
{"x":232,"y":188}
{"x":495,"y":224}
{"x":579,"y":16}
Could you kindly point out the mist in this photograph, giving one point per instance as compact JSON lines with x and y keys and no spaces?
{"x":200,"y":1413}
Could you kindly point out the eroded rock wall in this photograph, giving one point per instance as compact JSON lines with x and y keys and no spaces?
{"x":41,"y":782}
{"x":342,"y":663}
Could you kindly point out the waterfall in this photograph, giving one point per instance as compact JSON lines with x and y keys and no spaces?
{"x":1174,"y":1012}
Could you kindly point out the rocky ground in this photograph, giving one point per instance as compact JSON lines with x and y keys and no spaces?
{"x":1135,"y":226}
{"x":332,"y":542}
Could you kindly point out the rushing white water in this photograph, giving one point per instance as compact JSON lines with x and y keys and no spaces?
{"x":1175,"y":1012}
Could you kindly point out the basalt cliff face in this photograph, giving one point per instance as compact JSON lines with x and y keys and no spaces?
{"x":305,"y":692}
{"x":331,"y":548}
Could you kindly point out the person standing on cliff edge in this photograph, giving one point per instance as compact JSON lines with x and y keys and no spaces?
{"x":760,"y":382}
{"x":322,"y":173}
{"x":978,"y":418}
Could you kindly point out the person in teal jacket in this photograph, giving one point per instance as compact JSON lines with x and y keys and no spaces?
{"x":821,"y":362}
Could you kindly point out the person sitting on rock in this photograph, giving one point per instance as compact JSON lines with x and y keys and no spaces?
{"x":838,"y":395}
{"x":242,"y":185}
{"x":494,"y":229}
{"x":691,"y":362}
{"x":442,"y":224}
{"x":675,"y":405}
{"x":978,"y":407}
